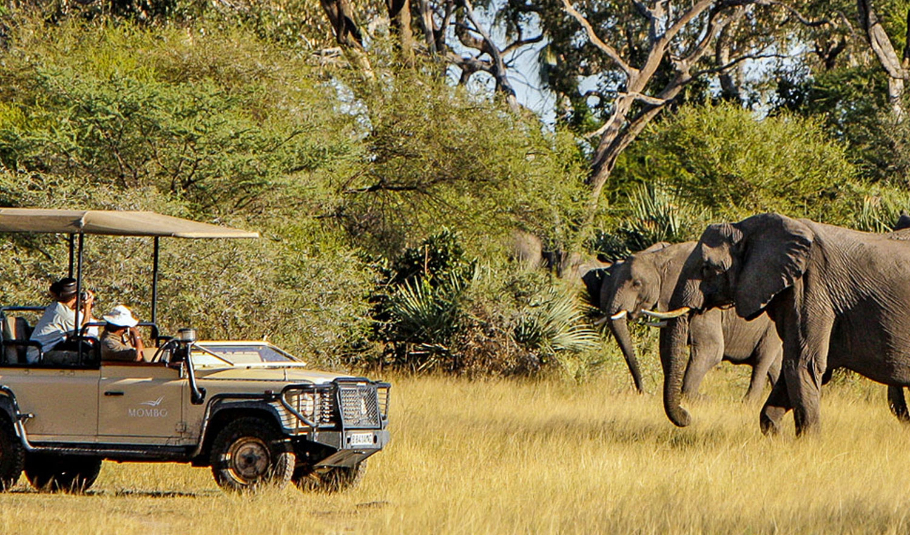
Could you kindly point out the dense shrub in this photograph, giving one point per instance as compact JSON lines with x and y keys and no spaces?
{"x":217,"y":120}
{"x":726,"y":160}
{"x":439,"y":156}
{"x":437,"y":308}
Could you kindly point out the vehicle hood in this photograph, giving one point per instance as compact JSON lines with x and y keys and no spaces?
{"x":283,"y":374}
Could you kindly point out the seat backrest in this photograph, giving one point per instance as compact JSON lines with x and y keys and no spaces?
{"x":8,"y":328}
{"x":22,"y":331}
{"x":15,"y":330}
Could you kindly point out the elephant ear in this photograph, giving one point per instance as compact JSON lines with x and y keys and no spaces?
{"x":774,"y":252}
{"x":594,"y":280}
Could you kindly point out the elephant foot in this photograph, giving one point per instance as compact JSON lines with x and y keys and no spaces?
{"x":769,"y":420}
{"x":807,"y":425}
{"x":897,"y":404}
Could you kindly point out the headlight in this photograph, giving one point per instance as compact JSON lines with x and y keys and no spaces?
{"x":302,"y":402}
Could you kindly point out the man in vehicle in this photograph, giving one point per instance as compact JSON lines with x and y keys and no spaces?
{"x":121,"y":340}
{"x":59,"y":318}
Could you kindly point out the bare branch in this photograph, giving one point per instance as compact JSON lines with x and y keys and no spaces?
{"x":740,"y":59}
{"x":592,"y":35}
{"x":520,"y":43}
{"x":653,"y":101}
{"x":499,"y":67}
{"x":713,"y":29}
{"x":799,"y":16}
{"x":471,"y":65}
{"x":687,"y":17}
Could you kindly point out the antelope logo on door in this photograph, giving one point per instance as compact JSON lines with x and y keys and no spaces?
{"x":151,"y":412}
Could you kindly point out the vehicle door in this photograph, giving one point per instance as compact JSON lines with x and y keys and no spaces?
{"x":141,"y":403}
{"x":63,"y":402}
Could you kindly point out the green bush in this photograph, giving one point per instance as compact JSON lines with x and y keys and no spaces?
{"x":553,"y":325}
{"x":724,"y":159}
{"x":218,"y":120}
{"x":653,"y":215}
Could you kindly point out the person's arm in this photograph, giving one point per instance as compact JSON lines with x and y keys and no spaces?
{"x":87,"y":308}
{"x":136,"y":339}
{"x":113,"y":349}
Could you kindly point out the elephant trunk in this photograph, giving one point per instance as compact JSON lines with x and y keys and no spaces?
{"x":620,"y":329}
{"x":673,"y":359}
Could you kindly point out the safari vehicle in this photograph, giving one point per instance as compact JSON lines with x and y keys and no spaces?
{"x":252,"y":412}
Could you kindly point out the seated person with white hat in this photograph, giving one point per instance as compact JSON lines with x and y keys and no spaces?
{"x":120,"y":340}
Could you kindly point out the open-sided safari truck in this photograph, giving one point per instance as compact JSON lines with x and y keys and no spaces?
{"x":251,"y":411}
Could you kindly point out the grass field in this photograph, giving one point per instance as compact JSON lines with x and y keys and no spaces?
{"x":543,"y":457}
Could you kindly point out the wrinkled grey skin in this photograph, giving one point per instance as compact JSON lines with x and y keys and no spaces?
{"x":646,"y":281}
{"x":896,"y":401}
{"x":838,"y":298}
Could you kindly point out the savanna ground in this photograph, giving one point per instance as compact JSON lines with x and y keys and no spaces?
{"x":544,"y":456}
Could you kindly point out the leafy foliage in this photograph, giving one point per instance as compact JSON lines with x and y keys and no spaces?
{"x":653,"y":216}
{"x":420,"y":302}
{"x":553,"y":324}
{"x":438,"y":156}
{"x":725,"y":160}
{"x":218,"y":120}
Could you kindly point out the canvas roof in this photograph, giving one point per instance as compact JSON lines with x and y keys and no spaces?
{"x":111,"y":223}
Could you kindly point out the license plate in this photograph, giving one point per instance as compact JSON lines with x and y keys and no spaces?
{"x":360,"y":439}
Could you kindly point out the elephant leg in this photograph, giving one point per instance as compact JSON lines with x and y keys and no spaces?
{"x":706,"y":340}
{"x":767,"y":367}
{"x":806,"y":341}
{"x":775,"y":408}
{"x":898,"y":404}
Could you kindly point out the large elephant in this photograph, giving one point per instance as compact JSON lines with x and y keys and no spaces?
{"x":645,"y":281}
{"x":838,"y":298}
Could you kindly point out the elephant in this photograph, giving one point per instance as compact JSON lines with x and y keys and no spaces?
{"x":837,"y":297}
{"x":645,"y":281}
{"x":527,"y":250}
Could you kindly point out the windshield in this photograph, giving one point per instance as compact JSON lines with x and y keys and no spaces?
{"x":215,"y":354}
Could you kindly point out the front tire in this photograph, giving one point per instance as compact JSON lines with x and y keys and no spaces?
{"x":60,"y":473}
{"x":12,"y":457}
{"x":333,"y":479}
{"x":250,"y":453}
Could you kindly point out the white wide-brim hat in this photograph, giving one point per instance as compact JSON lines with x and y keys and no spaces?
{"x":121,"y":317}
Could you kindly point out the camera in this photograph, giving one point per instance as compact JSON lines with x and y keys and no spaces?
{"x":84,"y":296}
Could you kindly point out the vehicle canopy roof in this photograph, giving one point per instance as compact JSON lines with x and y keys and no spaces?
{"x":111,"y":223}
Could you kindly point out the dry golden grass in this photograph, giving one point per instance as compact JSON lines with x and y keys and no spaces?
{"x":543,"y":457}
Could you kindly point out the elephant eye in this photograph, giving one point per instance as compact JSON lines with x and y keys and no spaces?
{"x":711,"y":270}
{"x":636,"y":283}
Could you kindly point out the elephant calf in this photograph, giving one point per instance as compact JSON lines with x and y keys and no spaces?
{"x":645,"y":281}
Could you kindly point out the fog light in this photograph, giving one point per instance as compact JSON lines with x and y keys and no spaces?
{"x":187,"y":336}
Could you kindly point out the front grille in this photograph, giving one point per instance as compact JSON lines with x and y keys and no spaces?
{"x":359,"y":405}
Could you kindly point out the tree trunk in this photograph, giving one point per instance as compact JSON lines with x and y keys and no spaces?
{"x":400,"y":19}
{"x":347,"y":34}
{"x":895,"y":68}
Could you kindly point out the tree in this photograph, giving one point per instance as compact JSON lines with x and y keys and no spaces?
{"x":896,"y":67}
{"x":653,"y":51}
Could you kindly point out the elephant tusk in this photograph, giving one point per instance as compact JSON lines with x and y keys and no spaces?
{"x":666,"y":315}
{"x":601,"y":321}
{"x":619,"y":315}
{"x":658,"y":324}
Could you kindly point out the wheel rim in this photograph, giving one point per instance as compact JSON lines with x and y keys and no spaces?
{"x":249,"y":459}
